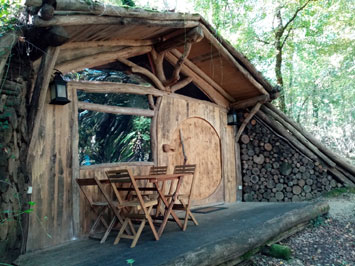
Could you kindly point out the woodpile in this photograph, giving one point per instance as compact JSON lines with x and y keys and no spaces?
{"x":275,"y":170}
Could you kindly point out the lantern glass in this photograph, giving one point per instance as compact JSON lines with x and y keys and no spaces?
{"x":58,"y":87}
{"x":232,"y":118}
{"x":61,"y":90}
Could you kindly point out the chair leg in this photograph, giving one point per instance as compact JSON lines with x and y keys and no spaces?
{"x":109,"y":228}
{"x":98,"y":219}
{"x":138,"y":234}
{"x":120,"y":233}
{"x":151,"y":224}
{"x":187,"y":215}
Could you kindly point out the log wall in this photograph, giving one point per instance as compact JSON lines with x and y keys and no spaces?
{"x":274,"y":170}
{"x":51,"y":223}
{"x":15,"y":73}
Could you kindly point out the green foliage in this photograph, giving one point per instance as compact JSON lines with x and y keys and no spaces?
{"x":128,"y":3}
{"x":340,"y":191}
{"x":9,"y":12}
{"x":318,"y":58}
{"x":318,"y":221}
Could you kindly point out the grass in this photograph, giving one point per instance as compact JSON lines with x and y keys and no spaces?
{"x":339,"y":191}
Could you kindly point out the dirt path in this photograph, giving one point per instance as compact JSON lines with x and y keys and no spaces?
{"x":328,"y":241}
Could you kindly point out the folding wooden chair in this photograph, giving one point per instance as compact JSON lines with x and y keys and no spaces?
{"x":98,"y":207}
{"x":158,"y":170}
{"x":185,"y":199}
{"x":134,"y":205}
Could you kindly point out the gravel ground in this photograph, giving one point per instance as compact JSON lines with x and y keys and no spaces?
{"x":327,"y":241}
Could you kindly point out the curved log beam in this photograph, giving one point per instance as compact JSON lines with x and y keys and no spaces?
{"x":101,"y":58}
{"x":178,"y":65}
{"x":179,"y":85}
{"x":247,"y":119}
{"x":138,"y":69}
{"x":115,"y":109}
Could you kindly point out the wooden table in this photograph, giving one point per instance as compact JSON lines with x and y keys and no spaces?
{"x":156,"y":179}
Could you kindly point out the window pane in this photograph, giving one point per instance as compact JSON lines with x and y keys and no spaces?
{"x":125,"y":100}
{"x":109,"y":138}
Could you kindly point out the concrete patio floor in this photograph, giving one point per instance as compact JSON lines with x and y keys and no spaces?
{"x":222,"y":237}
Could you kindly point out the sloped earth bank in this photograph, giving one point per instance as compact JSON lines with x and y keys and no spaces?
{"x":328,"y":240}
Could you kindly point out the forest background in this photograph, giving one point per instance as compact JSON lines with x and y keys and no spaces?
{"x":305,"y":47}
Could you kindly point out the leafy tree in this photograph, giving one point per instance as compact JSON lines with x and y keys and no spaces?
{"x":314,"y":40}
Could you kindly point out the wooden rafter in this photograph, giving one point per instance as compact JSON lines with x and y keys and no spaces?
{"x":192,"y":36}
{"x":101,"y":58}
{"x":242,"y":104}
{"x":210,"y":91}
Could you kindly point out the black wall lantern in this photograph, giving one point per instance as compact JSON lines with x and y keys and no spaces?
{"x":232,"y":118}
{"x":59,"y":92}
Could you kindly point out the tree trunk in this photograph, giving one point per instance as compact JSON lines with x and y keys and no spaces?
{"x":278,"y":65}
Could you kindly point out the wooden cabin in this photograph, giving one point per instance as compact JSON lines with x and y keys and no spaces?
{"x":195,"y":78}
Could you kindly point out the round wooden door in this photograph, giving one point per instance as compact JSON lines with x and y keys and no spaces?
{"x":202,"y":147}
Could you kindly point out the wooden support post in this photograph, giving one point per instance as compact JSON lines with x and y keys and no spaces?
{"x":41,"y":87}
{"x":75,"y":162}
{"x":246,"y":120}
{"x":154,"y":131}
{"x":238,"y":167}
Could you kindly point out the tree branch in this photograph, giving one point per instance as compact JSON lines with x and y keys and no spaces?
{"x":295,"y":15}
{"x":288,"y":34}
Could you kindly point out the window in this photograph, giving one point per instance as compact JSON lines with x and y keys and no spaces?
{"x":107,"y":137}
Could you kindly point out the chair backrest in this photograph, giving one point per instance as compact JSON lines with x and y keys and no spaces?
{"x":123,"y":176}
{"x":86,"y":182}
{"x":187,"y":169}
{"x":158,"y":170}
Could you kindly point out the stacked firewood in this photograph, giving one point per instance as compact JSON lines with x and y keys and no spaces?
{"x":273,"y":170}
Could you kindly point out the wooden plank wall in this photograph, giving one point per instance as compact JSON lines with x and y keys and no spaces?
{"x":173,"y":111}
{"x":86,"y":215}
{"x":51,"y":221}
